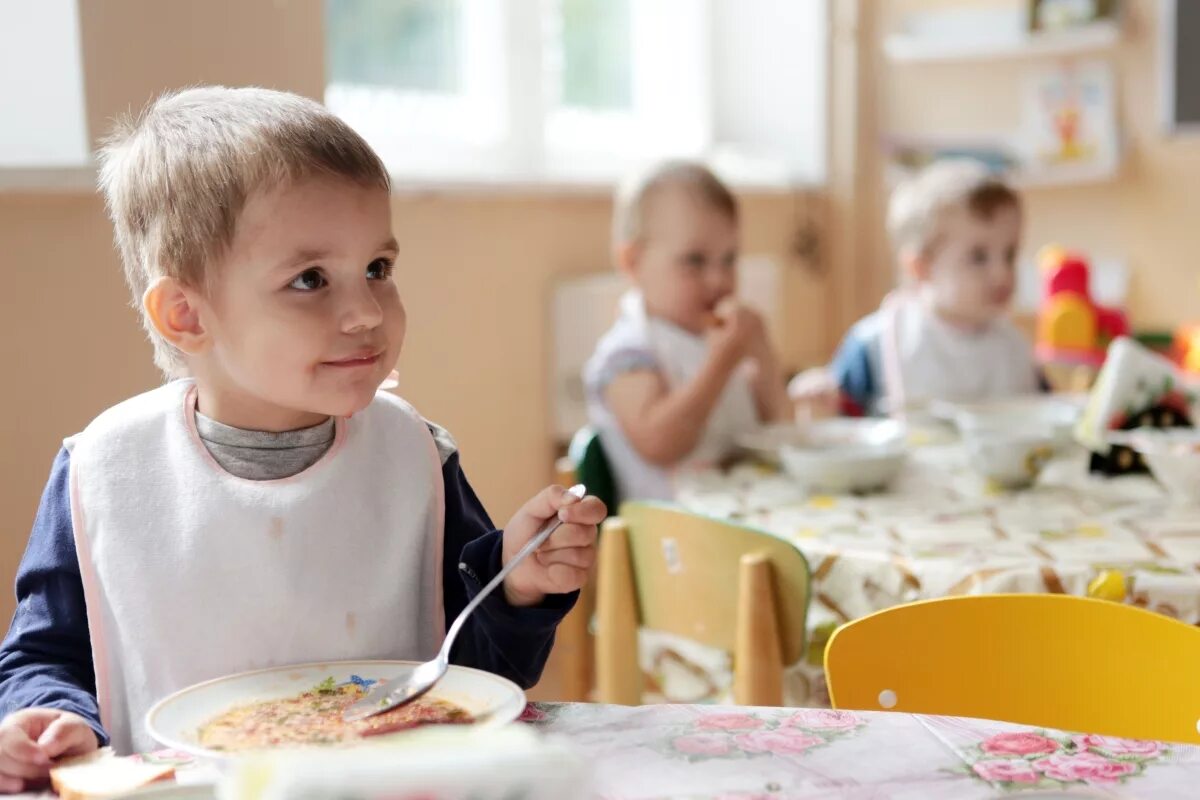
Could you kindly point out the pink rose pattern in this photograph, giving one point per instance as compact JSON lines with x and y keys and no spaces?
{"x":703,"y":744}
{"x":1087,"y":767}
{"x":1040,"y":758}
{"x":745,"y":735}
{"x":730,"y":722}
{"x":1115,"y":746}
{"x":1016,"y":770}
{"x":781,"y":741}
{"x":1018,"y":744}
{"x":824,"y":719}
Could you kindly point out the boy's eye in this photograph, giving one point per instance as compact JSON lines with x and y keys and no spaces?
{"x":978,"y":256}
{"x":379,"y":270}
{"x":1010,"y":256}
{"x":308,"y":281}
{"x":695,"y":260}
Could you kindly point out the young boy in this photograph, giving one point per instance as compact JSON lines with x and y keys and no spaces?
{"x":686,"y":367}
{"x":269,"y":506}
{"x":946,"y":334}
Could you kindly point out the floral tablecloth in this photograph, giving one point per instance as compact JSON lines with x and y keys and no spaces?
{"x":942,"y":532}
{"x":730,"y":753}
{"x":771,"y":754}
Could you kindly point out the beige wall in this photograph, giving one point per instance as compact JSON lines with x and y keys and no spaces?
{"x":476,"y":270}
{"x":1148,"y":215}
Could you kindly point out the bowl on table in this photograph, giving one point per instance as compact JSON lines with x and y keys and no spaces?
{"x":845,"y":455}
{"x":1054,"y":415}
{"x":1009,"y":458}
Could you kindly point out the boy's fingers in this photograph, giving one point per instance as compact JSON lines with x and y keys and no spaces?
{"x":67,"y":736}
{"x":15,"y":768}
{"x":570,"y":536}
{"x":10,"y":784}
{"x":545,"y":504}
{"x":581,"y":557}
{"x":16,"y":744}
{"x":588,"y":511}
{"x":566,"y":578}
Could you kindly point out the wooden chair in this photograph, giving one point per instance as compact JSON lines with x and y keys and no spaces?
{"x":1060,"y":661}
{"x":572,"y":658}
{"x":715,"y":582}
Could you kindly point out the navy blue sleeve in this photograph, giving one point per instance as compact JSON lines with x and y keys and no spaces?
{"x":852,"y":370}
{"x":46,"y":659}
{"x":498,"y":638}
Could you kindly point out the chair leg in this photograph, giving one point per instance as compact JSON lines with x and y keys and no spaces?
{"x":758,"y":654}
{"x":618,"y":675}
{"x":574,"y":649}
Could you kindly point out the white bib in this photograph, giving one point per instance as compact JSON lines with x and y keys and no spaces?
{"x":191,"y":573}
{"x":927,"y":359}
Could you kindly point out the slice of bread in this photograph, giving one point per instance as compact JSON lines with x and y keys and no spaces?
{"x":101,"y":774}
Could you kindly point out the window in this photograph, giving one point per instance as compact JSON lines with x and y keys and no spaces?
{"x":43,"y":123}
{"x":582,"y":91}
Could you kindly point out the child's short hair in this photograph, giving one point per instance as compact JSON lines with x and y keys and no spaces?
{"x":919,"y":205}
{"x":176,"y":177}
{"x":636,"y":195}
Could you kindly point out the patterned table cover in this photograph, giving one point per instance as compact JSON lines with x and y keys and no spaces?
{"x":941,"y":531}
{"x":731,"y":753}
{"x":770,"y":754}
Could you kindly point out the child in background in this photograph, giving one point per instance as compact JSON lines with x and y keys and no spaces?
{"x":945,"y":335}
{"x":686,"y":368}
{"x":267,"y":506}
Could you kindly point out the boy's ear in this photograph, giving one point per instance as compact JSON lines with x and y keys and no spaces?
{"x":174,"y":312}
{"x":914,"y":265}
{"x":626,"y":255}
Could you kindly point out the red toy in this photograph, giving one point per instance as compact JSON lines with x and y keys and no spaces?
{"x":1072,"y":328}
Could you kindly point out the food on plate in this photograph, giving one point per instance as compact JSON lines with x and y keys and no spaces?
{"x":315,"y":717}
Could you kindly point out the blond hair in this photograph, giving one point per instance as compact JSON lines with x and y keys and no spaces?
{"x":918,"y":207}
{"x":635,"y":197}
{"x":176,"y":177}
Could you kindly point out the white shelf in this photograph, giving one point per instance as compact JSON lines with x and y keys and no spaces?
{"x":911,"y":49}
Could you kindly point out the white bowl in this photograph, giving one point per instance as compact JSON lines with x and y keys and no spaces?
{"x":175,"y":721}
{"x":1173,"y":456}
{"x":1046,"y":414}
{"x":1012,"y":458}
{"x":764,"y":443}
{"x":845,"y":455}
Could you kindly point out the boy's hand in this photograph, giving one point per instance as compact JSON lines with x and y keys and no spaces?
{"x":560,"y":565}
{"x":738,"y":330}
{"x":33,"y":738}
{"x":815,"y":394}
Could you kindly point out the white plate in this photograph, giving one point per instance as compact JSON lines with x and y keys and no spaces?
{"x":175,"y":721}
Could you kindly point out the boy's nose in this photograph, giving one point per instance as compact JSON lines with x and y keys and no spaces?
{"x":361,"y":311}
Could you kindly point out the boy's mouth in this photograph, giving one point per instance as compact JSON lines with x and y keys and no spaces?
{"x":363,"y":359}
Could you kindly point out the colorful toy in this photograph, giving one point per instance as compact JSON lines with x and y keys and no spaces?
{"x":1072,"y":328}
{"x":1136,"y":388}
{"x":1187,"y":348}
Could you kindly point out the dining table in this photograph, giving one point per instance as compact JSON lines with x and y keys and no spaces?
{"x":744,"y":753}
{"x":939,"y":530}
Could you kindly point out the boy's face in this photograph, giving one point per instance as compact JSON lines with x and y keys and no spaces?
{"x":971,"y":273}
{"x":303,"y":317}
{"x":687,"y":261}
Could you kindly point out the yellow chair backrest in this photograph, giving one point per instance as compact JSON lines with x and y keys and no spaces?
{"x":1059,"y":661}
{"x":718,"y":583}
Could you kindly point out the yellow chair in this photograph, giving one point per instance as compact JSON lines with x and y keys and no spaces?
{"x":1059,"y":661}
{"x":721,"y":584}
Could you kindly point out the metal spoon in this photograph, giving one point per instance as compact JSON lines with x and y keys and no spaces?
{"x":418,"y":680}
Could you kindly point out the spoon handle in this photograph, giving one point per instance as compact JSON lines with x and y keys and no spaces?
{"x":537,"y":541}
